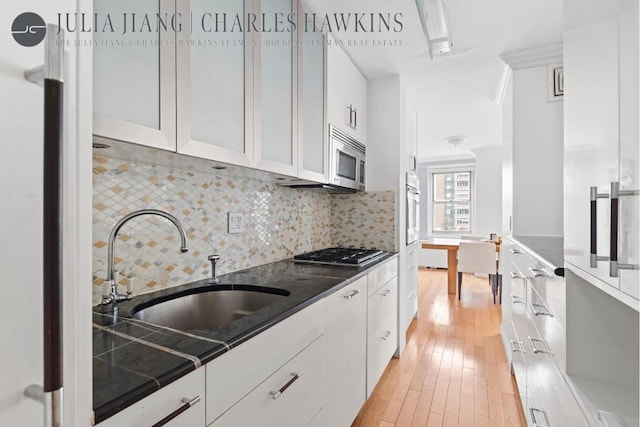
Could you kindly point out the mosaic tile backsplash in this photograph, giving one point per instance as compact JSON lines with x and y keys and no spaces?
{"x":364,"y":220}
{"x":278,"y":222}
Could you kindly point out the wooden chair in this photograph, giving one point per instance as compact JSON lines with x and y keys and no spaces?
{"x":478,"y":257}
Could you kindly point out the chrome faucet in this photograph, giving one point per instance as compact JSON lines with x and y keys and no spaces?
{"x":114,"y":296}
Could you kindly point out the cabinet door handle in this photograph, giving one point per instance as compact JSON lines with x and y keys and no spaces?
{"x":540,"y":310}
{"x":351,"y":294}
{"x":516,"y":275}
{"x":537,"y":350}
{"x":349,"y":116}
{"x":614,"y":266}
{"x":277,"y":393}
{"x":593,"y":243}
{"x":385,"y":336}
{"x":188,"y":403}
{"x":515,"y":299}
{"x":520,"y":348}
{"x":536,"y":423}
{"x":386,"y":293}
{"x":355,"y":119}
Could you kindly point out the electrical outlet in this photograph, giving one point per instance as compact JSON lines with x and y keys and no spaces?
{"x":234,"y":223}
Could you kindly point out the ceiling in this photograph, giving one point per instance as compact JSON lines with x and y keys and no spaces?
{"x":453,"y":94}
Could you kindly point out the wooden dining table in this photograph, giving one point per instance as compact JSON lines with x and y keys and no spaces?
{"x":451,"y":246}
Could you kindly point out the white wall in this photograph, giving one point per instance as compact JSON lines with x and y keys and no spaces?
{"x":537,"y":155}
{"x":488,"y":189}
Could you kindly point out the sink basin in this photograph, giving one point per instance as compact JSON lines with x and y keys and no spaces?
{"x":207,"y":307}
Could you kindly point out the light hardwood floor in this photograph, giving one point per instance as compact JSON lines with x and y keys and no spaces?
{"x":453,"y":371}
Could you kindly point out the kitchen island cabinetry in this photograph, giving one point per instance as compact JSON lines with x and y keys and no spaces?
{"x":135,"y":103}
{"x":346,"y":353}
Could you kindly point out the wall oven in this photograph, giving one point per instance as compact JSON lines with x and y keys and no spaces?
{"x":347,"y":160}
{"x":413,"y":208}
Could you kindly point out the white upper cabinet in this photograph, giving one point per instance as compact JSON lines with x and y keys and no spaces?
{"x":136,"y":102}
{"x":601,"y":140}
{"x":346,"y":93}
{"x":275,"y":79}
{"x":214,"y":64}
{"x":312,"y":129}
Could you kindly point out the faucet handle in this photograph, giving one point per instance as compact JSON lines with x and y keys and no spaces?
{"x":214,"y":259}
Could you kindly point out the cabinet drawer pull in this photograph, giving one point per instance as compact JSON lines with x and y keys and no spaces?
{"x":540,"y":310}
{"x":538,"y":272}
{"x":277,"y":393}
{"x":520,"y":348}
{"x":386,"y":293}
{"x":516,"y":299}
{"x":516,"y":251}
{"x":537,"y":350}
{"x":351,"y":295}
{"x":412,"y":297}
{"x":188,"y":403}
{"x":533,"y":411}
{"x":385,"y":336}
{"x":516,"y":275}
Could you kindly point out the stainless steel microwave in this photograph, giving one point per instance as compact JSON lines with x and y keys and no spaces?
{"x":347,"y":160}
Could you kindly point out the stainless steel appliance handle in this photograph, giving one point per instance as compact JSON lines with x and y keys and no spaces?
{"x":51,"y":74}
{"x":614,"y":265}
{"x":188,"y":403}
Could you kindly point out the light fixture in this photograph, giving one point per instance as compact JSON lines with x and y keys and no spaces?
{"x":434,"y":18}
{"x":455,"y":140}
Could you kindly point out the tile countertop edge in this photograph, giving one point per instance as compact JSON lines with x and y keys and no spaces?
{"x":542,"y":254}
{"x":118,"y":404}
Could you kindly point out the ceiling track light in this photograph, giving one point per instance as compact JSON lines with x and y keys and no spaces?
{"x":434,"y":18}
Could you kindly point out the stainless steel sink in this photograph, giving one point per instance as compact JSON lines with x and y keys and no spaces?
{"x":208,"y":307}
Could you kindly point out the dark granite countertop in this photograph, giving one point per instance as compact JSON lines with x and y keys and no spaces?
{"x":132,"y":358}
{"x":549,"y":249}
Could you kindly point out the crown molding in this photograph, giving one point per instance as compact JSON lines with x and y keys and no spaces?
{"x":533,"y":57}
{"x":501,"y":82}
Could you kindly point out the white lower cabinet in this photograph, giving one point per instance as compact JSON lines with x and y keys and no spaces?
{"x":382,"y":331}
{"x":292,"y":396}
{"x":165,"y":402}
{"x":346,"y":353}
{"x":234,"y":374}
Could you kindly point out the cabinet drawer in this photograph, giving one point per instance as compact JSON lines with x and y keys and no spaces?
{"x":547,"y":325}
{"x":382,"y":274}
{"x":550,"y":402}
{"x":382,"y":331}
{"x":165,"y":401}
{"x":232,"y":375}
{"x":292,"y":396}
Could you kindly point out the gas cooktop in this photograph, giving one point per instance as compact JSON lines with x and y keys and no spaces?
{"x":340,"y":256}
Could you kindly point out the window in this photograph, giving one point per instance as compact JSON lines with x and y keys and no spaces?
{"x":451,"y":202}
